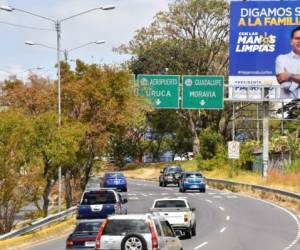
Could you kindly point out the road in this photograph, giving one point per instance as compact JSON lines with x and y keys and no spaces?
{"x":225,"y":220}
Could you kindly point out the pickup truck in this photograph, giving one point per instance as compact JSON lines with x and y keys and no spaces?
{"x":99,"y":203}
{"x":178,"y":213}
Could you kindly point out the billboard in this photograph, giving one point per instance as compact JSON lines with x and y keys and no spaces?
{"x":262,"y":51}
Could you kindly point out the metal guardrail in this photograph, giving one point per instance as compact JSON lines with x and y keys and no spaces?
{"x":39,"y":223}
{"x":256,"y":187}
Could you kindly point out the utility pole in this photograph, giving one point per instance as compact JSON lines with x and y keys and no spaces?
{"x":265,"y":132}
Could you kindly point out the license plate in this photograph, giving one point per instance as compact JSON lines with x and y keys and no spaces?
{"x":90,"y":244}
{"x":195,"y":186}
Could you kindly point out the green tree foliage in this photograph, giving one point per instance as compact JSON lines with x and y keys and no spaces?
{"x":97,"y":103}
{"x":20,"y":166}
{"x":191,"y":37}
{"x":210,"y":140}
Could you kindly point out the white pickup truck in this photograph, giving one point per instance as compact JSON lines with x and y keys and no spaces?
{"x":179,"y":214}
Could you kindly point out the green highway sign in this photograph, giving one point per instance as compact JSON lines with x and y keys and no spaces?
{"x":202,"y":92}
{"x":162,"y":90}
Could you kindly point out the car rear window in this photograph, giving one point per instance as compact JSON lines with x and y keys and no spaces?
{"x":123,"y":227}
{"x":174,"y":169}
{"x":85,"y":227}
{"x":114,"y":175}
{"x":193,"y":175}
{"x":169,"y":203}
{"x":98,"y":197}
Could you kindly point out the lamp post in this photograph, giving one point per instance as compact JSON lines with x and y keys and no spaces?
{"x":65,"y":51}
{"x":57,"y":24}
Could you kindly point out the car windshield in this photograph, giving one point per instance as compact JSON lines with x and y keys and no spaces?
{"x":193,"y":175}
{"x":169,"y":203}
{"x":114,"y":175}
{"x":174,"y":169}
{"x":98,"y":197}
{"x":87,"y":227}
{"x":123,"y":227}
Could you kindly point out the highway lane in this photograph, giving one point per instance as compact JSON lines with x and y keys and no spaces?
{"x":224,"y":220}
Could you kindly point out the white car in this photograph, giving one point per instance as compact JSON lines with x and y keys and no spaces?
{"x":179,"y":214}
{"x":137,"y":232}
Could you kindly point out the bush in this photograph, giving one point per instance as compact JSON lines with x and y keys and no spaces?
{"x":209,"y":141}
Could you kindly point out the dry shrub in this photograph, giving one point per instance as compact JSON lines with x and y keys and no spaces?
{"x":289,"y":179}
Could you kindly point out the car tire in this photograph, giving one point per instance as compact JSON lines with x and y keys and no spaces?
{"x":194,"y":230}
{"x":134,"y":240}
{"x":164,"y":184}
{"x":180,"y":190}
{"x":183,"y":190}
{"x":124,"y":190}
{"x":188,"y":233}
{"x":160,"y":184}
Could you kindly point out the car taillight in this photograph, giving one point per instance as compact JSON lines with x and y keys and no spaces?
{"x":153,"y":237}
{"x":98,"y":239}
{"x":69,"y":243}
{"x":186,"y":218}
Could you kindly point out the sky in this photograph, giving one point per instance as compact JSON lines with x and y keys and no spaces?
{"x":116,"y":27}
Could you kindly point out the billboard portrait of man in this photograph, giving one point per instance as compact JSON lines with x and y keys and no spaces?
{"x":264,"y":49}
{"x":287,"y":68}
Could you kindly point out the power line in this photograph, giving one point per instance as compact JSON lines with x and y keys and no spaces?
{"x":25,"y":27}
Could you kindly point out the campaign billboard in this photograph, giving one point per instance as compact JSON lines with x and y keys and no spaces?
{"x":264,"y":50}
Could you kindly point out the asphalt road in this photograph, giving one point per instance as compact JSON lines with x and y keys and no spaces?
{"x":224,"y":220}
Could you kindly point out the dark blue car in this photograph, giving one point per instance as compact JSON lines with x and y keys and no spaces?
{"x":84,"y":235}
{"x":192,"y":181}
{"x":115,"y":180}
{"x":99,"y":203}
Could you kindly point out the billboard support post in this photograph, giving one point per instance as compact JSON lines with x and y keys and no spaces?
{"x":257,"y":123}
{"x":265,"y":134}
{"x":233,"y":121}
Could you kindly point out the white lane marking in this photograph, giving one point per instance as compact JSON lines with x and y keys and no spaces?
{"x":211,"y":193}
{"x":217,"y":197}
{"x":181,"y":197}
{"x":231,"y":197}
{"x":201,"y":245}
{"x":228,"y":218}
{"x":209,"y":201}
{"x":133,"y":198}
{"x":164,"y":193}
{"x":222,"y":208}
{"x":145,"y":195}
{"x":295,"y":241}
{"x":223,"y":229}
{"x":131,"y":194}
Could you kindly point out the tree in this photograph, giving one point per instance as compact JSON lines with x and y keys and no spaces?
{"x":190,"y":38}
{"x":20,"y":166}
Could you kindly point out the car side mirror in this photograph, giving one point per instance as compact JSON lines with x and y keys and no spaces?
{"x":125,"y":200}
{"x":178,"y":233}
{"x":161,"y":172}
{"x":193,"y":209}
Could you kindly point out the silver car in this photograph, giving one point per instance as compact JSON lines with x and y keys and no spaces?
{"x":137,"y":232}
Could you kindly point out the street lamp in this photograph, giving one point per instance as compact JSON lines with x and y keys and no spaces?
{"x":65,"y":51}
{"x":57,"y":24}
{"x":21,"y":72}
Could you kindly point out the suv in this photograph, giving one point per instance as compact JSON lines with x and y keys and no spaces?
{"x":137,"y":231}
{"x":170,"y":175}
{"x":99,"y":203}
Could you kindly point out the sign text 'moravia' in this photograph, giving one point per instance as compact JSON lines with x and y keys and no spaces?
{"x":202,"y":94}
